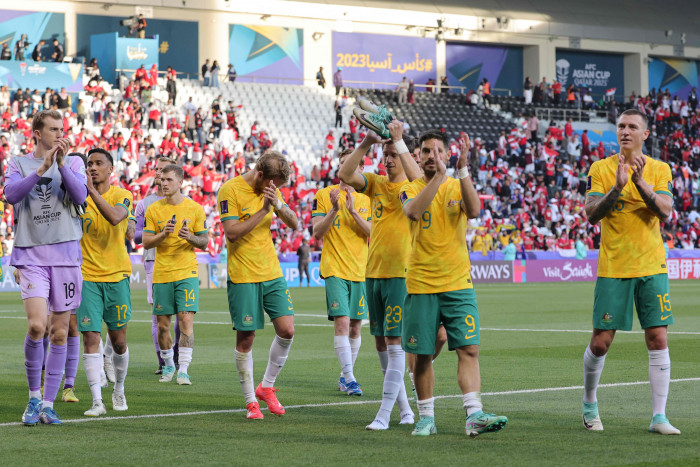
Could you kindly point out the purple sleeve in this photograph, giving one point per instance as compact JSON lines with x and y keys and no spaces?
{"x":74,"y":180}
{"x":140,"y":220}
{"x":17,"y":187}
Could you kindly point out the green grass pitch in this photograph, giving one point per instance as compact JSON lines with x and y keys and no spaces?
{"x":533,"y":337}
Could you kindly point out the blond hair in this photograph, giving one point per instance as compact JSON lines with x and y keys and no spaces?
{"x":273,"y":166}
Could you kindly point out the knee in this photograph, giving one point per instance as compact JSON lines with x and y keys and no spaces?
{"x":58,"y":335}
{"x":287,"y":332}
{"x":599,"y":347}
{"x":37,"y":329}
{"x":119,"y":347}
{"x":380,"y":344}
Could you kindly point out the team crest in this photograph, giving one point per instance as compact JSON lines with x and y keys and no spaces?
{"x":412,"y":341}
{"x":362,"y":210}
{"x":589,"y":183}
{"x":607,"y":318}
{"x":335,"y":306}
{"x":403,"y":197}
{"x":30,"y":286}
{"x":159,"y":307}
{"x":223,"y":207}
{"x":452,"y":202}
{"x":86,"y":321}
{"x":248,"y":319}
{"x":127,"y":202}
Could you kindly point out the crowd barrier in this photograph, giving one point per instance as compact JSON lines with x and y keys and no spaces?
{"x":213,"y":275}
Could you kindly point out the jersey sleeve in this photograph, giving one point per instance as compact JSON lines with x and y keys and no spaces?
{"x":664,"y":180}
{"x":228,"y":204}
{"x":320,"y":206}
{"x":407,"y":193}
{"x":200,"y":221}
{"x":125,"y":200}
{"x":369,"y":182}
{"x":594,"y":184}
{"x":150,"y":225}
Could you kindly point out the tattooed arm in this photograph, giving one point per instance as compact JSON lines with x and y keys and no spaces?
{"x":598,"y":207}
{"x":660,"y":204}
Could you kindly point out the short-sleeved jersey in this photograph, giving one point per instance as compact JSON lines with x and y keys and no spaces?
{"x":252,"y":258}
{"x":105,"y":258}
{"x":630,"y":244}
{"x":439,"y":259}
{"x":345,"y":244}
{"x":390,"y":236}
{"x":175,"y":257}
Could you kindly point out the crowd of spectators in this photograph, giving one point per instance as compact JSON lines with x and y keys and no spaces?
{"x":532,"y":186}
{"x":38,"y":53}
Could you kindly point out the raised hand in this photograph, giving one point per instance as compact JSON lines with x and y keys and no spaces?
{"x":269,"y":196}
{"x":335,"y":196}
{"x":372,"y":138}
{"x":169,"y":227}
{"x":184,"y":232}
{"x":60,"y":149}
{"x":349,"y":200}
{"x":395,"y":130}
{"x":465,"y":150}
{"x":440,"y":167}
{"x":637,"y":164}
{"x":622,"y":176}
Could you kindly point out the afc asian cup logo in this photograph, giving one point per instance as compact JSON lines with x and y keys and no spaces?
{"x":563,"y":67}
{"x":23,"y":68}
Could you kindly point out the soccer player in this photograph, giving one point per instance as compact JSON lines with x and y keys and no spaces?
{"x":176,"y":271}
{"x":255,"y":282}
{"x":342,"y":220}
{"x":629,"y":193}
{"x":439,"y":284}
{"x":149,"y":257}
{"x":389,"y":249}
{"x":44,"y":186}
{"x":106,"y":270}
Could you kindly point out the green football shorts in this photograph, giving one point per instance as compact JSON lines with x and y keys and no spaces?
{"x":456,"y":310}
{"x":385,"y":298}
{"x":613,"y":299}
{"x":345,"y":298}
{"x":104,"y":301}
{"x":248,"y":303}
{"x":170,"y":298}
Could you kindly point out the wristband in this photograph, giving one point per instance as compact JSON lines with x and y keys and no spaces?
{"x":400,"y":147}
{"x":278,"y":205}
{"x":463,"y":172}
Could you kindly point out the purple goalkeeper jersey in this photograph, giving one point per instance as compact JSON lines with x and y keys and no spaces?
{"x":56,"y":254}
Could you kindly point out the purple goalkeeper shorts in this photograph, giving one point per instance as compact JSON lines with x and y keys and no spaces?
{"x":148,"y":265}
{"x":60,"y":286}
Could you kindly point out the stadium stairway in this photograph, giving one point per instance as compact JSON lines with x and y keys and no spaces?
{"x":298,"y":117}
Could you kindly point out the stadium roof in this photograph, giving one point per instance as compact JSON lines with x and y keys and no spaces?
{"x":627,"y":20}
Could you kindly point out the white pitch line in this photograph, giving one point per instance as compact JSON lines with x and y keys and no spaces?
{"x":585,"y":331}
{"x":339,"y":404}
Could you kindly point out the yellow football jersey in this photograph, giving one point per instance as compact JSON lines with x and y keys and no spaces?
{"x":253,"y":257}
{"x":390,"y":236}
{"x":175,"y":257}
{"x":345,"y":244}
{"x":630,"y":239}
{"x":439,"y":259}
{"x":105,"y":258}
